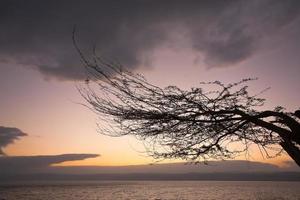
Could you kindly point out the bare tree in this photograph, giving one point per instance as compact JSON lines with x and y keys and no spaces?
{"x":192,"y":125}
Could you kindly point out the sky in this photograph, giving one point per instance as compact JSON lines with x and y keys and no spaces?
{"x":170,"y":42}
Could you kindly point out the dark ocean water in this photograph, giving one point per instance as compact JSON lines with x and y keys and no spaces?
{"x":154,"y":190}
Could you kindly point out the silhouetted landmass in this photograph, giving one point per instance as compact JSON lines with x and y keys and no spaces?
{"x":39,"y":168}
{"x":281,"y":176}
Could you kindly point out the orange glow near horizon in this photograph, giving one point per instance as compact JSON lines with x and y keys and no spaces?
{"x":57,"y":124}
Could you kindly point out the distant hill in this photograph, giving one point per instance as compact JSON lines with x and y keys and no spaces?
{"x":40,"y":168}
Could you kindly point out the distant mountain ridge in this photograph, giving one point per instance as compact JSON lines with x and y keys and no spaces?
{"x":41,"y":168}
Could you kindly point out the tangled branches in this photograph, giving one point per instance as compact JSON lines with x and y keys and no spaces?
{"x":192,"y":125}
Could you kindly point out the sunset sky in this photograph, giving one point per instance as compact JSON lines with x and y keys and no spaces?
{"x":178,"y":43}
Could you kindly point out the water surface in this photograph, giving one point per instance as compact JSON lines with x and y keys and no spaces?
{"x":152,"y":190}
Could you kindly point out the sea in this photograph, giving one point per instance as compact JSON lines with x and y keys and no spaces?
{"x":152,"y":190}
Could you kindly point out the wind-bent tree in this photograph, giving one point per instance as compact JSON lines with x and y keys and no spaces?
{"x":192,"y":125}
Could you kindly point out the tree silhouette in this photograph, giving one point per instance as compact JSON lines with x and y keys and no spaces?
{"x":192,"y":125}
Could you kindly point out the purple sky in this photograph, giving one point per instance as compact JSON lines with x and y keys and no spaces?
{"x":171,"y":42}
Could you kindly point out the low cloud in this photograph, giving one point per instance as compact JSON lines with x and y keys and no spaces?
{"x":38,"y":34}
{"x":8,"y":135}
{"x":34,"y":164}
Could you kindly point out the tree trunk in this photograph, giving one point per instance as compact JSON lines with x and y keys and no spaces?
{"x":292,"y":150}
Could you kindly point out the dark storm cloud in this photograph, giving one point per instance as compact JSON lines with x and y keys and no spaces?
{"x":33,"y":164}
{"x":8,"y":135}
{"x":38,"y":33}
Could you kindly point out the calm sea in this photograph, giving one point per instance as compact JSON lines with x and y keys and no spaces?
{"x":153,"y":190}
